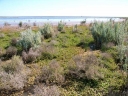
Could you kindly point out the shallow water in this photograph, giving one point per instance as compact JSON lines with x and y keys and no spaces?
{"x":52,"y":19}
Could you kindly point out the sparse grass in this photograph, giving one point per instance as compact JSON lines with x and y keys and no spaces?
{"x":5,"y":42}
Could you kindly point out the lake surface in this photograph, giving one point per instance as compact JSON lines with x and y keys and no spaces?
{"x":14,"y":20}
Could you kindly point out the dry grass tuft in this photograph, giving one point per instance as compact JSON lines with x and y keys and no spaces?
{"x":43,"y":90}
{"x":52,"y":73}
{"x":13,"y":74}
{"x":31,"y":55}
{"x":86,"y":66}
{"x":11,"y":51}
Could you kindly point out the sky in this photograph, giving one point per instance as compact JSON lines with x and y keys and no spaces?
{"x":118,"y":8}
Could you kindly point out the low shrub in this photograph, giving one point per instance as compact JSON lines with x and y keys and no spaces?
{"x":13,"y":74}
{"x":11,"y":51}
{"x":48,"y":51}
{"x":53,"y":73}
{"x":47,"y":30}
{"x":14,"y":41}
{"x":43,"y":90}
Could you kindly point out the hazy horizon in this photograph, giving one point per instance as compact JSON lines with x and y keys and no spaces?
{"x":103,"y":8}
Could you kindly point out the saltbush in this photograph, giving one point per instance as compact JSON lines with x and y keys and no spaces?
{"x":115,"y":32}
{"x":29,"y":39}
{"x":104,"y":32}
{"x":61,"y":26}
{"x":47,"y":30}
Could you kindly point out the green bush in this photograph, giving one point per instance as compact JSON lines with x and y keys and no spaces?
{"x":104,"y":32}
{"x":47,"y":30}
{"x":61,"y":26}
{"x":29,"y":39}
{"x":115,"y":32}
{"x":20,"y":24}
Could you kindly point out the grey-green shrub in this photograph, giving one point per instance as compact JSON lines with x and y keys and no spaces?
{"x":29,"y":39}
{"x":104,"y":32}
{"x":123,"y":42}
{"x":61,"y":26}
{"x":47,"y":30}
{"x":115,"y":32}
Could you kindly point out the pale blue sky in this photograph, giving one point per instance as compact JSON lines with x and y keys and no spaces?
{"x":64,"y":8}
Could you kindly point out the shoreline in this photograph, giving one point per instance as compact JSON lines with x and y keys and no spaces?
{"x":38,"y":24}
